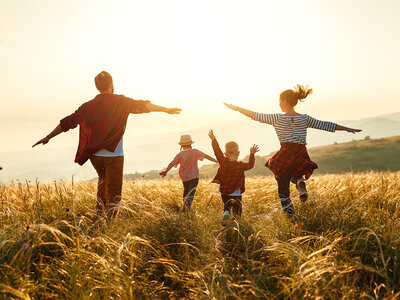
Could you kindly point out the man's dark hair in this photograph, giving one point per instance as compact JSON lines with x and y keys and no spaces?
{"x":103,"y":81}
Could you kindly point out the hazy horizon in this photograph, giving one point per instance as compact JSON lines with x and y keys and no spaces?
{"x":154,"y":151}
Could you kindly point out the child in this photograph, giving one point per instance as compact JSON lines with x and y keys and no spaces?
{"x":188,"y":171}
{"x":292,"y":161}
{"x":230,"y":175}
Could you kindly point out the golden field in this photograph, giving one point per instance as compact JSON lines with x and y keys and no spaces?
{"x":343,"y":243}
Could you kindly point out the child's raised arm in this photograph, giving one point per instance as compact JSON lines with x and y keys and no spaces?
{"x":254,"y":149}
{"x":249,"y":165}
{"x":246,"y":112}
{"x":217,"y":150}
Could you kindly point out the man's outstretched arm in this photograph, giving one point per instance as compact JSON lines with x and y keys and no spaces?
{"x":153,"y":107}
{"x":52,"y":134}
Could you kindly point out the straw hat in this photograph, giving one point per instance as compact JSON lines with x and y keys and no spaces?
{"x":186,"y":140}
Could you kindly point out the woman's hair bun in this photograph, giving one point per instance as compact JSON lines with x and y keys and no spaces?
{"x":301,"y":92}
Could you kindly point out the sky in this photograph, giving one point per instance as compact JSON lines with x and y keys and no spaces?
{"x":194,"y":55}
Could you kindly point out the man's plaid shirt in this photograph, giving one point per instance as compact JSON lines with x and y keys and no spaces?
{"x":102,"y":123}
{"x":230,"y":174}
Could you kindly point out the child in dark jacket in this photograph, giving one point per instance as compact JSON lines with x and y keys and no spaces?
{"x":230,"y":175}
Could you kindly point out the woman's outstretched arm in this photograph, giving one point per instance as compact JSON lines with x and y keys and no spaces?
{"x":246,"y":112}
{"x":263,"y":118}
{"x":328,"y":126}
{"x":348,"y":129}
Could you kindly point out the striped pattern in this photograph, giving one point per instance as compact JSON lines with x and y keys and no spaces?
{"x":293,"y":129}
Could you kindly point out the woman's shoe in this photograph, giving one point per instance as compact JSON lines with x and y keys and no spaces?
{"x":301,"y":186}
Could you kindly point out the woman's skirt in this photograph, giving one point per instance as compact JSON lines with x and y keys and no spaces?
{"x":291,"y":160}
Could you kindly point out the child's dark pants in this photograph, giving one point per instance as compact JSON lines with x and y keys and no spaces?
{"x":189,"y":189}
{"x":284,"y":192}
{"x":234,"y":202}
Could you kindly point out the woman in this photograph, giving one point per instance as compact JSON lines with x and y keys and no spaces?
{"x":292,"y":162}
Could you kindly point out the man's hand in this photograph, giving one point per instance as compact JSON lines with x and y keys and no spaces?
{"x":56,"y":131}
{"x":43,"y":141}
{"x":173,"y":111}
{"x":211,"y":134}
{"x":254,"y":149}
{"x":231,"y":106}
{"x":163,"y":174}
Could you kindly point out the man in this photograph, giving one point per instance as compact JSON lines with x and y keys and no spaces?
{"x":102,"y":123}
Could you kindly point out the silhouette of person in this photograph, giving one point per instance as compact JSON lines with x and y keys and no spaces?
{"x":102,"y":123}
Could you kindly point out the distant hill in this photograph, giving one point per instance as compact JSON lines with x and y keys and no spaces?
{"x":359,"y":155}
{"x":362,"y":155}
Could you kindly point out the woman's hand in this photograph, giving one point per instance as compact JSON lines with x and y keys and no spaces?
{"x":352,"y":130}
{"x":246,"y":112}
{"x":348,"y":129}
{"x":163,"y":174}
{"x":231,"y":106}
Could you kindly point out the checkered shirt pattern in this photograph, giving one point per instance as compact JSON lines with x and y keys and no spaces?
{"x":292,"y":159}
{"x":102,"y":123}
{"x":230,"y":175}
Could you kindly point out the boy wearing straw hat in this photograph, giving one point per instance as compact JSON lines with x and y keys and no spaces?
{"x":188,"y":171}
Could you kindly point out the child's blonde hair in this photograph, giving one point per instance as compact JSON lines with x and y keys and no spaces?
{"x":231,"y":147}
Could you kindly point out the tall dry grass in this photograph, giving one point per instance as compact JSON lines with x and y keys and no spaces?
{"x":343,"y":243}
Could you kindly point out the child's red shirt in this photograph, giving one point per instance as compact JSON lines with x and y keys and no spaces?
{"x":230,"y":174}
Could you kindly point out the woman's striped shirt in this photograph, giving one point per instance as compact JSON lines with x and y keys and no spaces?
{"x":293,"y":129}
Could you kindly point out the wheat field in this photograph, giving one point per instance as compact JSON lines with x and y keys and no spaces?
{"x":343,"y":243}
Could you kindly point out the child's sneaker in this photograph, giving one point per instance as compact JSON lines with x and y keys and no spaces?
{"x":99,"y":212}
{"x":226,"y":215}
{"x":301,"y":186}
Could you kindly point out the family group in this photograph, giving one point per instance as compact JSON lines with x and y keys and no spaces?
{"x":102,"y":123}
